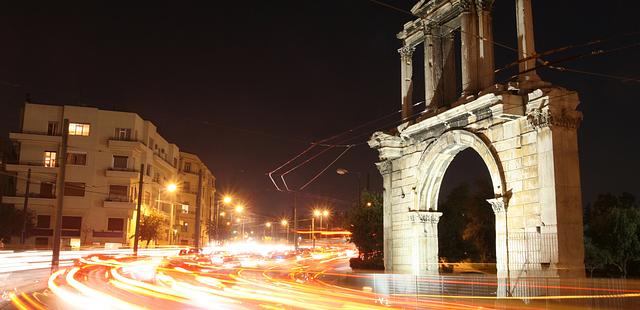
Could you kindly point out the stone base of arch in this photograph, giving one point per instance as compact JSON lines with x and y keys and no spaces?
{"x":529,"y":144}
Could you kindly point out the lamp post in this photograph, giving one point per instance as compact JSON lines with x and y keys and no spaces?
{"x":171,"y":188}
{"x":285,"y":224}
{"x":325,"y":213}
{"x":239,"y":209}
{"x":316,"y":213}
{"x":226,"y":200}
{"x":343,"y":171}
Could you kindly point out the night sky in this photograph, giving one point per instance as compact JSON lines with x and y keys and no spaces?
{"x":246,"y":85}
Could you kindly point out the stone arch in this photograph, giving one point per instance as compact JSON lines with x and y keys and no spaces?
{"x":438,"y":156}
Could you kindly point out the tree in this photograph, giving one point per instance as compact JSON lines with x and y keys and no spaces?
{"x":151,"y":226}
{"x":365,"y":223}
{"x":11,"y":220}
{"x":612,"y":232}
{"x":466,"y":230}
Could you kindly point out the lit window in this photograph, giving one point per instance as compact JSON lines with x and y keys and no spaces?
{"x":185,"y":227}
{"x":187,"y":167}
{"x":185,"y":208}
{"x":50,"y":159}
{"x":78,"y":129}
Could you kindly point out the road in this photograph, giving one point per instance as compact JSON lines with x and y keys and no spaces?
{"x":286,"y":280}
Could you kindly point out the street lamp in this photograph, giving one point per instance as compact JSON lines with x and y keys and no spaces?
{"x":285,"y":224}
{"x":343,"y":171}
{"x":225,"y":200}
{"x":170,"y":188}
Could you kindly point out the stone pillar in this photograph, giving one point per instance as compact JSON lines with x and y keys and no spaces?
{"x":502,"y":256}
{"x":469,"y":38}
{"x":486,"y":66}
{"x":425,"y":241}
{"x":385,"y":169}
{"x":556,"y":121}
{"x":432,"y":68}
{"x":449,"y":90}
{"x":406,"y":86}
{"x":526,"y":47}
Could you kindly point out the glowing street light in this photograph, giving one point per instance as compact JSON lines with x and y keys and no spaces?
{"x":285,"y":224}
{"x":222,"y":213}
{"x":171,"y":187}
{"x":239,"y":208}
{"x":227,"y":199}
{"x":317,"y":213}
{"x":369,"y":204}
{"x":268,"y":224}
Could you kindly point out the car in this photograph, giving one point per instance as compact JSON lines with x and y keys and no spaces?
{"x":190,"y":251}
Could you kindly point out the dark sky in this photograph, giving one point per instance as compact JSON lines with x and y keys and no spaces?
{"x":246,"y":84}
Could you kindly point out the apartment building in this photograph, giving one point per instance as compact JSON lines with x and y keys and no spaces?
{"x":105,"y":152}
{"x":189,"y":177}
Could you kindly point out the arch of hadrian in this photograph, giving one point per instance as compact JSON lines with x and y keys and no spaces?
{"x":525,"y":132}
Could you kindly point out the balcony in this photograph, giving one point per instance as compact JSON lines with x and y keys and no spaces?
{"x":122,"y":173}
{"x":108,"y":234}
{"x":119,"y":204}
{"x":42,"y":232}
{"x":42,"y":137}
{"x":161,"y":159}
{"x":125,"y":144}
{"x":36,"y":167}
{"x":34,"y":199}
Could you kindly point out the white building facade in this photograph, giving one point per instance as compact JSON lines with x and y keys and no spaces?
{"x":105,"y":152}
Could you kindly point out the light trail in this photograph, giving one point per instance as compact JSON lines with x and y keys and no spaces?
{"x":303,"y":280}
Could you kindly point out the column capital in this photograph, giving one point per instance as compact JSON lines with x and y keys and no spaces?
{"x":498,"y":205}
{"x":466,"y":5}
{"x":406,"y":51}
{"x":385,"y":167}
{"x":485,"y":5}
{"x":425,"y":217}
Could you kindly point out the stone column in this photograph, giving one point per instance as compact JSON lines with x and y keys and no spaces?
{"x":502,"y":247}
{"x":449,"y":86}
{"x":425,"y":241}
{"x":406,"y":86}
{"x":432,"y":68}
{"x":469,"y":35}
{"x":486,"y":66}
{"x":526,"y":47}
{"x":385,"y":169}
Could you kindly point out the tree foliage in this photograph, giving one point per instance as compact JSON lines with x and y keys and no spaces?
{"x":612,"y":232}
{"x":466,"y":230}
{"x":151,"y":226}
{"x":365,"y":222}
{"x":11,"y":220}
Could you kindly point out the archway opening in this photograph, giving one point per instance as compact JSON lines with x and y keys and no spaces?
{"x":466,"y":231}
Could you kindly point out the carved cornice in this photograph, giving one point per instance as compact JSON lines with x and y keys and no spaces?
{"x":540,"y":118}
{"x":425,"y":217}
{"x":406,"y":51}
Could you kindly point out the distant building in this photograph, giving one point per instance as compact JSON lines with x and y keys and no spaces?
{"x":105,"y":152}
{"x":190,"y":167}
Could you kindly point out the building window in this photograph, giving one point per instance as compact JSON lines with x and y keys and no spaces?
{"x":46,"y":189}
{"x":120,"y":162}
{"x":52,"y":128}
{"x":175,"y":162}
{"x":185,"y":227}
{"x":74,"y":189}
{"x":184,"y":208}
{"x":123,"y":134}
{"x":43,"y":221}
{"x":50,"y":158}
{"x":79,"y":159}
{"x":149,"y":170}
{"x":71,"y":222}
{"x":186,"y":187}
{"x":118,"y":192}
{"x":115,"y":224}
{"x":147,"y":198}
{"x":187,"y":167}
{"x":78,"y":129}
